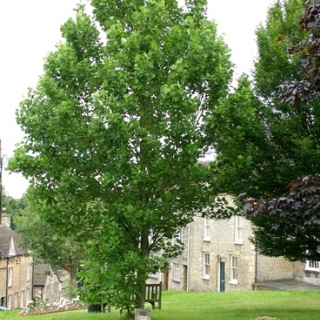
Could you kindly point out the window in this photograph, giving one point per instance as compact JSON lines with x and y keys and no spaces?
{"x":206,"y":265}
{"x":178,"y":237}
{"x":21,"y":299}
{"x":16,"y":300}
{"x":207,"y":229}
{"x":28,"y":272}
{"x":176,"y":272}
{"x":238,"y":229}
{"x":28,"y":297}
{"x":151,"y":236}
{"x":313,"y":265}
{"x":10,"y":277}
{"x":51,"y":278}
{"x":9,"y":302}
{"x":234,"y":270}
{"x":154,"y":275}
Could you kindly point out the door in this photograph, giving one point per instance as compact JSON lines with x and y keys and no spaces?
{"x":222,"y":277}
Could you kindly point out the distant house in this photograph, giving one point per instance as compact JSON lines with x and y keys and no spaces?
{"x":218,"y":256}
{"x":20,"y":280}
{"x":48,"y":285}
{"x":15,"y":268}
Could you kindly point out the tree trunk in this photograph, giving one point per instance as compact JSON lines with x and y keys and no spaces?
{"x":142,"y":273}
{"x":72,"y":281}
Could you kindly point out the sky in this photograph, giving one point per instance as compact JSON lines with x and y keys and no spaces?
{"x":30,"y":29}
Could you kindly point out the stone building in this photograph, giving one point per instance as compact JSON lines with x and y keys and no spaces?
{"x":218,"y":256}
{"x":15,"y":268}
{"x":20,"y":280}
{"x":49,"y":285}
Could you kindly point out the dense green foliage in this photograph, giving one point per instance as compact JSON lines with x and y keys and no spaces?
{"x":113,"y":133}
{"x":262,"y":143}
{"x":299,"y":92}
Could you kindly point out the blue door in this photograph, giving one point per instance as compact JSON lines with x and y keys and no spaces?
{"x":222,"y":277}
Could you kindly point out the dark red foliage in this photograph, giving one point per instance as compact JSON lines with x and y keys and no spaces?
{"x":296,"y":93}
{"x":289,"y":225}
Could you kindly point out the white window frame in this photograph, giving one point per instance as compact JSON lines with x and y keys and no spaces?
{"x":151,"y":235}
{"x":10,"y":272}
{"x":206,"y":265}
{"x":15,"y":305}
{"x":28,"y":296}
{"x":207,"y":229}
{"x":21,"y":299}
{"x":178,"y":236}
{"x":238,"y":229}
{"x":234,"y":262}
{"x":154,"y":275}
{"x":176,"y":272}
{"x":28,"y":272}
{"x":312,"y":265}
{"x":9,"y":302}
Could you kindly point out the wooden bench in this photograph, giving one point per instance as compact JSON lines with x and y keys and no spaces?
{"x":153,"y":294}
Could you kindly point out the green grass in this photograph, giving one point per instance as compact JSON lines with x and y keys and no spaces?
{"x":242,"y":305}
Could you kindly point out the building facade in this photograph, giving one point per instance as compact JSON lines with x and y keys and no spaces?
{"x":48,"y":285}
{"x":218,"y":256}
{"x":16,"y":269}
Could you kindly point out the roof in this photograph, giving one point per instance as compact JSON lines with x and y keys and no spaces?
{"x":41,"y":272}
{"x":6,"y":234}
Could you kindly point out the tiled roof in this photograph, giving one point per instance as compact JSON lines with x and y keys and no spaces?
{"x":5,"y":239}
{"x":40,"y":274}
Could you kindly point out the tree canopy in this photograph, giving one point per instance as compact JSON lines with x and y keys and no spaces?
{"x":266,"y":134}
{"x":289,"y":225}
{"x":267,"y":143}
{"x":114,"y":130}
{"x":298,"y":92}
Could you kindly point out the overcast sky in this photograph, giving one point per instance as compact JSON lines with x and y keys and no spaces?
{"x":29,"y":29}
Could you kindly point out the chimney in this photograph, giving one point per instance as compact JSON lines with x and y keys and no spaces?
{"x":5,"y":218}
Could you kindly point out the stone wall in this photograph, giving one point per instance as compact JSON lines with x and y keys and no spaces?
{"x":20,"y":290}
{"x":270,"y":268}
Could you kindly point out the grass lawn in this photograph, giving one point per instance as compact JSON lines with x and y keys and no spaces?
{"x":242,"y":305}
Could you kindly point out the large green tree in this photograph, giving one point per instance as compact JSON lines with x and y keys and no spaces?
{"x":289,"y":225}
{"x":114,"y":130}
{"x":275,"y":137}
{"x":267,"y":143}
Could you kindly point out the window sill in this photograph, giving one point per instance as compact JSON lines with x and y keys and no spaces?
{"x":177,"y":281}
{"x":205,"y":278}
{"x":239,"y":242}
{"x":233,"y":282}
{"x":206,"y":239}
{"x":312,"y":270}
